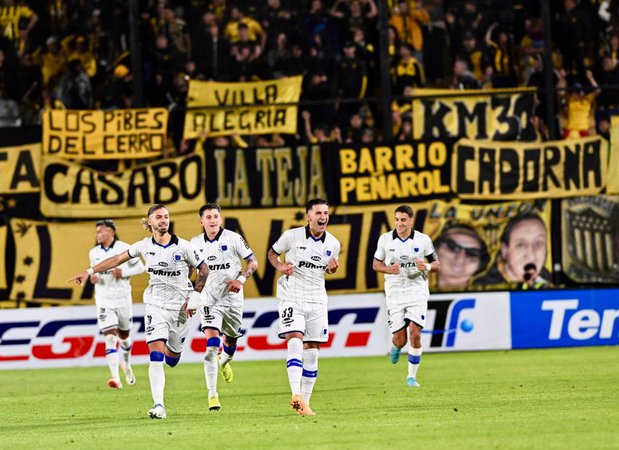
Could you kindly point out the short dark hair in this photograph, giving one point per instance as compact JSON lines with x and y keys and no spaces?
{"x":315,"y":201}
{"x":406,"y":210}
{"x":107,"y":222}
{"x":529,"y":266}
{"x":515,"y":221}
{"x":209,"y":206}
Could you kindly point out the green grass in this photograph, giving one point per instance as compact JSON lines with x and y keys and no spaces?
{"x":564,"y":398}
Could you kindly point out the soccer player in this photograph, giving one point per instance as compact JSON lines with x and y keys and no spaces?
{"x":167,"y":259}
{"x":113,"y":300}
{"x":401,"y":255}
{"x":221,"y":304}
{"x":311,"y":251}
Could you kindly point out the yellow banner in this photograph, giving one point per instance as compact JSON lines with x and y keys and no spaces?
{"x":48,"y":254}
{"x":3,"y":255}
{"x":72,"y":190}
{"x":612,"y":185}
{"x":19,"y":169}
{"x":511,"y":170}
{"x":494,"y":114}
{"x":223,"y":109}
{"x":118,"y":134}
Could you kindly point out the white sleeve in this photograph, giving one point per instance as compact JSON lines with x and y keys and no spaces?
{"x":429,"y":250}
{"x":91,"y":257}
{"x":136,"y":249}
{"x":379,"y":254}
{"x":241,"y":247}
{"x":192,"y":255}
{"x":282,"y":245}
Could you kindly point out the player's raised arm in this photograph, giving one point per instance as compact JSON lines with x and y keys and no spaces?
{"x":104,"y":265}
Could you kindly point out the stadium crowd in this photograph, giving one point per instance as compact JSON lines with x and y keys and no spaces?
{"x":76,"y":54}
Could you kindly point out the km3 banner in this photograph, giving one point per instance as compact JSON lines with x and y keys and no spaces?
{"x":492,"y":114}
{"x":74,"y":191}
{"x":590,"y":230}
{"x":509,"y":170}
{"x":118,"y":134}
{"x":259,"y":107}
{"x":485,"y":246}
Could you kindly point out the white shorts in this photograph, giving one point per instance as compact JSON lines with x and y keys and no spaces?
{"x":399,"y":317}
{"x":110,"y":318}
{"x":311,"y":319}
{"x":225,"y":319}
{"x":170,"y":326}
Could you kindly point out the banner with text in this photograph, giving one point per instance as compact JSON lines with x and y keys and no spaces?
{"x":500,"y":170}
{"x":118,"y":134}
{"x":612,"y":184}
{"x":493,"y":114}
{"x":74,"y":191}
{"x":416,"y":170}
{"x":590,"y":230}
{"x":19,"y":169}
{"x":258,"y":107}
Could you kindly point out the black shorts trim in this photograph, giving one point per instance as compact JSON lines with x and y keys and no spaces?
{"x":281,"y":335}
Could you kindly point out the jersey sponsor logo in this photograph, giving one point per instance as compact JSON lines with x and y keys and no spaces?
{"x":406,"y":265}
{"x":165,"y":273}
{"x":163,"y":264}
{"x":211,"y":258}
{"x":219,"y":266}
{"x":315,"y":258}
{"x":244,"y":243}
{"x":151,"y":253}
{"x":309,"y":265}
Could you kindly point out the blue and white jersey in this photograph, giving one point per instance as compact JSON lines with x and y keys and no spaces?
{"x":411,"y":284}
{"x":113,"y":292}
{"x":310,"y":257}
{"x":223,"y":254}
{"x":168,"y":269}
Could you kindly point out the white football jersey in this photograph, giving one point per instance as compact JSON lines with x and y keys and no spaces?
{"x":411,"y":284}
{"x":113,"y":292}
{"x":223,"y":254}
{"x":168,"y":269}
{"x":310,"y":257}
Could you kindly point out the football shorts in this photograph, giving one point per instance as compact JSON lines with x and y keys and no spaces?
{"x":110,"y":318}
{"x":311,"y":319}
{"x":225,"y":319}
{"x":399,"y":317}
{"x":170,"y":326}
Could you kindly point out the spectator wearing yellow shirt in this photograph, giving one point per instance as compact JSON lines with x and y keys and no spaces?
{"x":76,"y":47}
{"x":408,"y":25}
{"x":53,"y":61}
{"x":232,"y":27}
{"x":579,"y":109}
{"x":409,"y":71}
{"x":10,"y":17}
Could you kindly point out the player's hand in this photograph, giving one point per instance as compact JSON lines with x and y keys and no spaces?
{"x":80,"y":278}
{"x":188,"y":312}
{"x":394,"y":268}
{"x":117,"y":273}
{"x":421,"y":264}
{"x":191,"y":304}
{"x":286,"y":268}
{"x":332,"y":265}
{"x":234,"y":285}
{"x":94,"y":279}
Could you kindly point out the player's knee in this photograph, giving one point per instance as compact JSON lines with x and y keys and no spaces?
{"x":123,"y":334}
{"x":156,"y":357}
{"x":172,"y":360}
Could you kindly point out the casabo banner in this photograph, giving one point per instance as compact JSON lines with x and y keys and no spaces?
{"x":71,"y":190}
{"x":493,"y":114}
{"x":19,"y":169}
{"x":501,"y":170}
{"x":118,"y":134}
{"x":48,"y":254}
{"x":612,"y":184}
{"x":267,"y":177}
{"x":590,"y":237}
{"x":384,"y":173}
{"x":222,"y":109}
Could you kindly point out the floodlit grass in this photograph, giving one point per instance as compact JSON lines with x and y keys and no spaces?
{"x":564,"y":398}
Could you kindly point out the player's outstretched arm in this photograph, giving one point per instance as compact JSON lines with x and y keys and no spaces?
{"x":107,"y":264}
{"x":285,"y":268}
{"x":251,"y":266}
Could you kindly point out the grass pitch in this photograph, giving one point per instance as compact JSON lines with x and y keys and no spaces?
{"x":563,"y":398}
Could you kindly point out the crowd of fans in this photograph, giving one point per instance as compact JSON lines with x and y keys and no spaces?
{"x":76,"y":54}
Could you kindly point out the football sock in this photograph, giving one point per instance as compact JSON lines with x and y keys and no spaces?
{"x":156,"y":376}
{"x":125,"y":351}
{"x":210,"y":365}
{"x":414,"y":358}
{"x":310,"y":372}
{"x":111,"y":355}
{"x":227,"y":355}
{"x":294,"y":364}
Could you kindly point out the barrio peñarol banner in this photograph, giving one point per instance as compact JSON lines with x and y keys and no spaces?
{"x":258,"y":107}
{"x":403,"y":171}
{"x":19,"y":169}
{"x":500,"y":170}
{"x":74,"y":191}
{"x":266,"y":177}
{"x":590,"y":238}
{"x":479,"y":246}
{"x":494,"y":114}
{"x":117,"y":134}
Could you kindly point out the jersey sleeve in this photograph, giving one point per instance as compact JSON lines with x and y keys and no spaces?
{"x":379,"y":254}
{"x":241,"y":247}
{"x":282,"y":245}
{"x":429,"y":252}
{"x":137,"y":249}
{"x":192,"y":255}
{"x":91,"y":257}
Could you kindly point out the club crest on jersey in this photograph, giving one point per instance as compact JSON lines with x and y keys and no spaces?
{"x":177,"y":257}
{"x":328,"y":252}
{"x":223,"y":248}
{"x":416,"y":249}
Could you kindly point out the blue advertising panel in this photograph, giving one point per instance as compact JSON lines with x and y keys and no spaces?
{"x":565,"y":318}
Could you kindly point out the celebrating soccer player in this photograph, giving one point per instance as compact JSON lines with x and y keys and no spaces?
{"x":401,"y":255}
{"x":167,"y":259}
{"x":221,"y":302}
{"x":113,"y":300}
{"x":311,"y":251}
